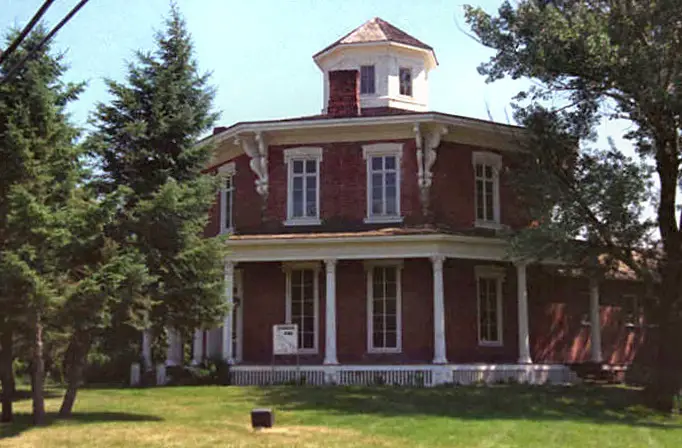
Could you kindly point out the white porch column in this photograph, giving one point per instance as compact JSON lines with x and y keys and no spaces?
{"x":198,"y":347}
{"x":228,"y":356}
{"x":522,"y":296}
{"x":595,"y":322}
{"x":330,"y":307}
{"x":439,"y":348}
{"x":147,"y":350}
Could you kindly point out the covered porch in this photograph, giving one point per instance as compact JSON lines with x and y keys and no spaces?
{"x":438,"y":337}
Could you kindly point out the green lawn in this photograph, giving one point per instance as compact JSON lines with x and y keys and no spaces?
{"x":505,"y":416}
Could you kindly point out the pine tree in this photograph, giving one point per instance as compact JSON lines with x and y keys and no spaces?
{"x":38,"y":171}
{"x":146,"y":139}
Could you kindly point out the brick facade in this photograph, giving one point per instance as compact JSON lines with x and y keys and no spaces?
{"x":557,"y":331}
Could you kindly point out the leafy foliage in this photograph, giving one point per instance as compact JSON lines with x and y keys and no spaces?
{"x":600,"y":59}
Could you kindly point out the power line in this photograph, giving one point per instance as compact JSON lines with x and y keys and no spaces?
{"x":27,"y":29}
{"x":18,"y":65}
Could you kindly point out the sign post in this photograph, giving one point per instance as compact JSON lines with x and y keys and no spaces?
{"x":285,"y":342}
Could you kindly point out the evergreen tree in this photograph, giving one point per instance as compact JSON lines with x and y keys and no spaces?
{"x":146,"y":139}
{"x":600,"y":59}
{"x":39,"y":170}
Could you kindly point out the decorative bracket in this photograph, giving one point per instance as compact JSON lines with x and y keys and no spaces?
{"x":427,"y":143}
{"x":257,"y":149}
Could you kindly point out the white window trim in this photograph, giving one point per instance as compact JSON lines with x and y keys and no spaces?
{"x":379,"y":150}
{"x":498,"y":274}
{"x":302,"y":153}
{"x":227,"y":170}
{"x":494,"y":161}
{"x":315,"y":267}
{"x":369,"y":274}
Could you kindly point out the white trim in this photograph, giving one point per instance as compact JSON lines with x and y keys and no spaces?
{"x":420,"y":375}
{"x":428,"y":117}
{"x":315,"y":268}
{"x":367,"y":247}
{"x":383,"y":150}
{"x":497,"y":274}
{"x":369,"y":267}
{"x":494,"y":161}
{"x":304,"y":154}
{"x":227,"y":171}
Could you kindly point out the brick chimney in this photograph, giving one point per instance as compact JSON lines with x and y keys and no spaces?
{"x":344,"y":93}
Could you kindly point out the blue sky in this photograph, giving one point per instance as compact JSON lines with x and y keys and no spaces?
{"x":260,"y":51}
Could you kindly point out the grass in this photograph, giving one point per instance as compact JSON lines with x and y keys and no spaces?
{"x":505,"y":416}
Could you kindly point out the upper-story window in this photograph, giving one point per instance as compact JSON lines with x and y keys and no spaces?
{"x":383,"y":181}
{"x":367,"y":83}
{"x":227,"y":198}
{"x":487,"y":167}
{"x":303,"y":185}
{"x":489,"y":294}
{"x":405,"y":75}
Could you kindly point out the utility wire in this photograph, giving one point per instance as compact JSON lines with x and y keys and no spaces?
{"x":13,"y":71}
{"x":27,"y":29}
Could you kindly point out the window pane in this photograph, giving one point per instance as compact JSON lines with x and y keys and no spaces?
{"x":367,"y":79}
{"x":308,"y":340}
{"x":391,"y":340}
{"x":488,"y":172}
{"x":298,"y":204}
{"x":298,"y":166}
{"x":311,"y":166}
{"x":389,"y":162}
{"x":391,"y":180}
{"x":479,"y":200}
{"x":377,"y":163}
{"x":378,"y":324}
{"x":489,"y":202}
{"x":391,"y":307}
{"x":378,"y":340}
{"x":479,"y":170}
{"x":391,"y":201}
{"x":391,"y":323}
{"x":405,"y":81}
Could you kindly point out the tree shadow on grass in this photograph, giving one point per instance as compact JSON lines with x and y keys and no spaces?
{"x":605,"y":404}
{"x":23,"y":421}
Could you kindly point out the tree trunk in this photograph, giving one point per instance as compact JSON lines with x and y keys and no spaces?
{"x":76,"y":355}
{"x":38,"y":370}
{"x":7,"y":375}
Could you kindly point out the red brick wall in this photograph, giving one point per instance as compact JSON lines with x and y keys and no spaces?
{"x":559,"y":305}
{"x":452,"y":193}
{"x":344,"y":93}
{"x":343,"y":190}
{"x":461,"y":316}
{"x":556,"y":309}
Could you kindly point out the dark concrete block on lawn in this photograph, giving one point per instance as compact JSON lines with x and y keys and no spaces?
{"x":262,"y":418}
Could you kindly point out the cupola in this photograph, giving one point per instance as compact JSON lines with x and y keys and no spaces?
{"x":376,"y":66}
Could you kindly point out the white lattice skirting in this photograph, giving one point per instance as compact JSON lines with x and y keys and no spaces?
{"x":412,"y":375}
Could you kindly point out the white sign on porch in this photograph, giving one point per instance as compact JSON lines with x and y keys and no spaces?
{"x":285,"y":339}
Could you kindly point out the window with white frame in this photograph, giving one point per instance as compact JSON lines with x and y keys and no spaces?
{"x":487,"y":167}
{"x":383,"y":181}
{"x":383,"y":308}
{"x":489,"y":298}
{"x":367,"y":83}
{"x":405,"y":76}
{"x":227,"y":172}
{"x":303,"y":185}
{"x":302,"y":302}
